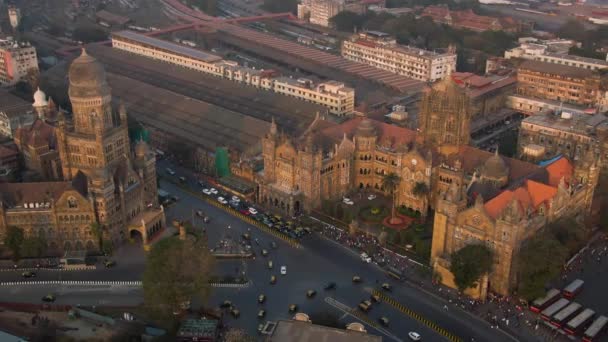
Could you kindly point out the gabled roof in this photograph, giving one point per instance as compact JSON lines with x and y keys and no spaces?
{"x":390,"y":136}
{"x":561,"y":168}
{"x":531,"y":195}
{"x":18,"y":194}
{"x":37,"y":134}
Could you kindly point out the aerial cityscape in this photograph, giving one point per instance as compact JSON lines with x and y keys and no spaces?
{"x":303,"y":170}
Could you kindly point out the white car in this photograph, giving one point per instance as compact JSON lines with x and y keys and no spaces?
{"x":414,"y":336}
{"x":169,"y":171}
{"x":283,"y":270}
{"x":222,"y":200}
{"x":366,"y":257}
{"x":371,"y":197}
{"x":235,"y":199}
{"x":348,"y":201}
{"x":213,"y":191}
{"x":207,"y":191}
{"x":253,"y":211}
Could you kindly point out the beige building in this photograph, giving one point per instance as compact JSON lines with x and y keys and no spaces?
{"x":14,"y":113}
{"x":319,"y":12}
{"x":543,"y":52}
{"x":18,"y":59}
{"x":573,"y":135}
{"x":380,"y":50}
{"x":335,"y":96}
{"x":104,"y":180}
{"x":555,"y":82}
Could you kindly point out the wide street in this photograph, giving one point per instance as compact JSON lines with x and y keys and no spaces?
{"x":318,"y":262}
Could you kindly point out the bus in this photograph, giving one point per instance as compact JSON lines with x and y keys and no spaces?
{"x":554,"y":308}
{"x":578,"y":323}
{"x":573,"y":288}
{"x":560,"y":318}
{"x":595,"y":329}
{"x":540,"y":304}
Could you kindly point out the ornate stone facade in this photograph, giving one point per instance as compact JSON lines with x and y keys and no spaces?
{"x":104,"y":181}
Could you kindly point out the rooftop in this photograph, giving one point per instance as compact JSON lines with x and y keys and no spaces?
{"x":480,"y":85}
{"x":389,"y":136}
{"x":18,"y":195}
{"x":584,"y":124}
{"x":112,"y":18}
{"x":12,"y":105}
{"x":298,"y":331}
{"x":167,"y":46}
{"x":556,"y":69}
{"x":578,"y":58}
{"x":202,"y":328}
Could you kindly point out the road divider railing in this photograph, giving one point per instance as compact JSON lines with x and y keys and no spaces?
{"x":73,"y":283}
{"x":402,"y":308}
{"x":291,"y":241}
{"x":230,"y":285}
{"x":34,"y":269}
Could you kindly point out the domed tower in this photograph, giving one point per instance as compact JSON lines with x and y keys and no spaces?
{"x":495,"y":170}
{"x":89,"y":94}
{"x":41,"y":105}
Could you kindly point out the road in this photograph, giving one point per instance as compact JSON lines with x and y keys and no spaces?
{"x":310,"y":267}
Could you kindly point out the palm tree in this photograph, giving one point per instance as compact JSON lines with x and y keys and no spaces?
{"x":97,"y":231}
{"x":390,"y":182}
{"x":420,"y":189}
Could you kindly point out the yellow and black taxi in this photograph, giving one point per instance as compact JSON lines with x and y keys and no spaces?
{"x":264,"y":252}
{"x":293,"y":308}
{"x":356,"y":279}
{"x":365,"y":305}
{"x":273,"y":280}
{"x":311,"y":293}
{"x":109,"y":263}
{"x":375,"y":298}
{"x":261,"y":298}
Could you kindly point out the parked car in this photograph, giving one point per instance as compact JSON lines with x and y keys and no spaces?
{"x":48,"y":298}
{"x":261,"y":298}
{"x":330,"y":286}
{"x":384,"y":321}
{"x":207,"y":192}
{"x":28,"y":274}
{"x":347,"y":201}
{"x":109,"y":263}
{"x":356,"y":279}
{"x":169,"y":171}
{"x":371,"y":197}
{"x":264,"y":252}
{"x":414,"y":336}
{"x":293,"y":307}
{"x":182,"y":179}
{"x":365,"y":305}
{"x":269,"y":264}
{"x":200,"y":213}
{"x":253,"y":211}
{"x":213,"y":191}
{"x":235,"y":199}
{"x":273,"y":280}
{"x":235,"y":313}
{"x":261,"y":313}
{"x":222,"y":200}
{"x":226,"y":304}
{"x":375,"y":298}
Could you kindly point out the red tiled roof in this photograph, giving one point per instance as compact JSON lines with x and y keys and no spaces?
{"x":387,"y":134}
{"x":558,"y":169}
{"x":37,"y":134}
{"x":531,"y":195}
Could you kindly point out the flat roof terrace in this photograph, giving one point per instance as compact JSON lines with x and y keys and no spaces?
{"x":166,"y":46}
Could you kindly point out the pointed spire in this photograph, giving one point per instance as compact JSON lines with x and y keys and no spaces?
{"x":273,"y":127}
{"x":83,"y":52}
{"x":479,"y":201}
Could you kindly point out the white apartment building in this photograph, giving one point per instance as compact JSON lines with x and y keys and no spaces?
{"x":380,"y":50}
{"x":543,"y":52}
{"x":338,"y":98}
{"x":319,"y":12}
{"x":17,"y":59}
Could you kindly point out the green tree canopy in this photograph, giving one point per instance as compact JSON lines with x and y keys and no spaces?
{"x":89,"y":34}
{"x":33,"y":247}
{"x":13,"y":239}
{"x":572,"y":29}
{"x":470,"y":263}
{"x":176,"y":272}
{"x":347,"y":21}
{"x":540,"y":260}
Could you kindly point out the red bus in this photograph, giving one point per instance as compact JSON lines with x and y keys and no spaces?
{"x":565,"y":314}
{"x":573,"y":288}
{"x":554,"y":308}
{"x":580,"y":322}
{"x":540,"y":304}
{"x":595,"y":329}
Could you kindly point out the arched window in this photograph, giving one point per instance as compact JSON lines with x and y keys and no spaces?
{"x":72,"y":203}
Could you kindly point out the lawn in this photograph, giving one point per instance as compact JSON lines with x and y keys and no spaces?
{"x":373,"y":213}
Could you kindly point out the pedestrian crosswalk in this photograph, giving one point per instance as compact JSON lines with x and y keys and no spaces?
{"x":135,"y":283}
{"x":291,"y":241}
{"x":402,"y":308}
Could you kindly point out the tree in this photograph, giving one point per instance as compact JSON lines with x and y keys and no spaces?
{"x":176,"y":272}
{"x":13,"y":239}
{"x":238,"y":335}
{"x":469,"y":264}
{"x":540,"y":260}
{"x":347,"y":21}
{"x":573,"y":29}
{"x":390,"y":181}
{"x":33,"y":247}
{"x":420,"y":189}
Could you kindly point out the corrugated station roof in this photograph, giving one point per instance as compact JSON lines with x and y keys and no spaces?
{"x":167,"y":46}
{"x":13,"y":105}
{"x":386,"y":78}
{"x":199,"y":122}
{"x":297,"y":331}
